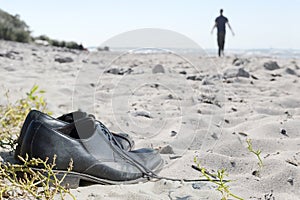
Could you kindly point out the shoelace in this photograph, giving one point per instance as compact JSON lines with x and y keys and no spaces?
{"x":109,"y":134}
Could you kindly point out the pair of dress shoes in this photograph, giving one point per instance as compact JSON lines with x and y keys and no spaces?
{"x":98,"y":155}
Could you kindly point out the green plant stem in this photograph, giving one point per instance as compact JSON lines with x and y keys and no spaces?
{"x":257,"y":152}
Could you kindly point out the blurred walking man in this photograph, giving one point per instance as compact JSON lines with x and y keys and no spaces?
{"x":220,"y":23}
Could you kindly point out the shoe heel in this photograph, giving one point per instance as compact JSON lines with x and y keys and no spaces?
{"x":70,"y":180}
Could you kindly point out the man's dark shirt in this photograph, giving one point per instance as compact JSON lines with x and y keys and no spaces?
{"x":221,"y":22}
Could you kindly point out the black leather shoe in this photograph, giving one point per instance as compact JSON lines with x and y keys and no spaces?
{"x":96,"y":157}
{"x":124,"y":140}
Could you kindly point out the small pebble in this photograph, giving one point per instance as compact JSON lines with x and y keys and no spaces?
{"x":233,"y":164}
{"x":167,"y":150}
{"x":283,"y":132}
{"x":290,"y":180}
{"x":174,"y":157}
{"x":173,"y":133}
{"x":256,"y":173}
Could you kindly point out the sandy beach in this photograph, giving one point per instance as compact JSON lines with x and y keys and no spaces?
{"x":186,"y":106}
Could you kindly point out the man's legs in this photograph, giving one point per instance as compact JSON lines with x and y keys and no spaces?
{"x":221,"y":42}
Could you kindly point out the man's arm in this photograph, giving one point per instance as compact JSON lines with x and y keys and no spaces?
{"x":230,"y":28}
{"x":212,"y":30}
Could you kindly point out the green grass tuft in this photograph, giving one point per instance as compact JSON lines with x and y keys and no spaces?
{"x":220,"y":182}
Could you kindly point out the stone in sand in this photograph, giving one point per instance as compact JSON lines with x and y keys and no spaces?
{"x":14,"y":55}
{"x":142,"y":113}
{"x":10,"y":69}
{"x":290,"y":71}
{"x":158,"y":69}
{"x":63,"y":59}
{"x":239,"y":61}
{"x":234,"y":72}
{"x":195,"y":78}
{"x":271,"y":65}
{"x":173,"y":133}
{"x":121,"y":71}
{"x":167,"y":150}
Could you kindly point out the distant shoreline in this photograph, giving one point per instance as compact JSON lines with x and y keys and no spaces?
{"x":268,"y":52}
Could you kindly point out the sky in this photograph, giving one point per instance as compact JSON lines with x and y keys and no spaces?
{"x":257,"y":24}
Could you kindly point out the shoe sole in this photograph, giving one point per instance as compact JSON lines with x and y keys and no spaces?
{"x":73,"y":179}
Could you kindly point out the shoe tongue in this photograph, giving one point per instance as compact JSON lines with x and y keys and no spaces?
{"x":85,"y":127}
{"x":80,"y":129}
{"x":73,"y":116}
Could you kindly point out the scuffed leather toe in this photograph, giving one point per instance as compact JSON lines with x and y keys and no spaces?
{"x":150,"y":158}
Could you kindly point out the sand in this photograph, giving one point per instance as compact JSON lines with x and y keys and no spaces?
{"x":204,"y":107}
